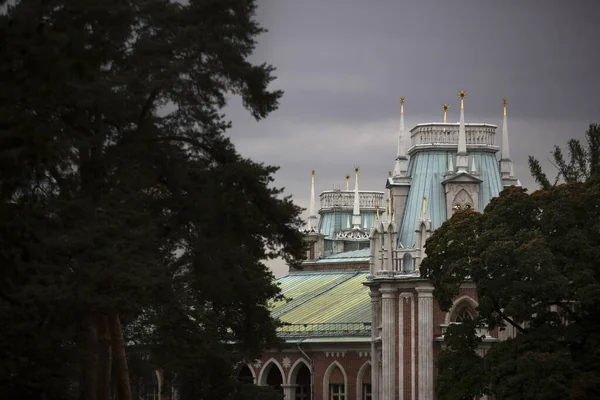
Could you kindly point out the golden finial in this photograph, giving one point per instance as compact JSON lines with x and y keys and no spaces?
{"x":347,"y":181}
{"x":424,"y":205}
{"x":462,"y":95}
{"x":356,"y":173}
{"x":401,"y":105}
{"x":401,"y":100}
{"x":445,"y":107}
{"x":389,"y":173}
{"x":377,"y":213}
{"x":313,"y":176}
{"x":504,"y":101}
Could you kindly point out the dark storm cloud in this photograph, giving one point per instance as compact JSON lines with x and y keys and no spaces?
{"x":344,"y":63}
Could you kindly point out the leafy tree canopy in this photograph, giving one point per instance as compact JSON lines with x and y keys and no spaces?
{"x":128,"y":218}
{"x":534,"y":260}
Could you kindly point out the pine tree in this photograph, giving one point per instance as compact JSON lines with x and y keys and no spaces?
{"x":130,"y":221}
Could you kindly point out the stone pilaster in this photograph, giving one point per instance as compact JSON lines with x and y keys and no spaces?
{"x":375,"y":322}
{"x":289,"y":391}
{"x":388,"y":344}
{"x":426,"y":365}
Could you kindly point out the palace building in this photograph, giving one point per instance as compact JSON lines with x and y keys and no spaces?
{"x":361,"y":323}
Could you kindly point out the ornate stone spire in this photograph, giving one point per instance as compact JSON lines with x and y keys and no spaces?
{"x":462,"y":161}
{"x":356,"y":210}
{"x":401,"y":164}
{"x":506,"y":166}
{"x":312,"y":212}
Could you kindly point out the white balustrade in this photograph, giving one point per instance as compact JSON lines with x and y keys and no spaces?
{"x":477,"y":134}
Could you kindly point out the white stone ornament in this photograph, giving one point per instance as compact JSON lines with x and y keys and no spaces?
{"x":286,"y":362}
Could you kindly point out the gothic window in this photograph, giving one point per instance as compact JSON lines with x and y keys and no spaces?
{"x":463,"y":313}
{"x":407,"y":263}
{"x":462,"y":201}
{"x":303,"y":383}
{"x":367,"y":394}
{"x":337,"y":392}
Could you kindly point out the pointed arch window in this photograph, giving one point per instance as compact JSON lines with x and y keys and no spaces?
{"x":407,"y":263}
{"x":464,"y":314}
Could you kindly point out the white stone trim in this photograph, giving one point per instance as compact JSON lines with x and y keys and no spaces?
{"x":426,"y":362}
{"x":328,"y":374}
{"x":359,"y":380}
{"x":411,"y":297}
{"x":294,"y":369}
{"x":388,"y":343}
{"x":262,"y":377}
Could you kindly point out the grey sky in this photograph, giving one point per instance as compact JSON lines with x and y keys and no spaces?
{"x":343,"y":64}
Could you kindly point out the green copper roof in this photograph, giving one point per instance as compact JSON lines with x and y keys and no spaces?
{"x":332,"y":222}
{"x":324,"y":304}
{"x":361,"y":255}
{"x":427,"y":170}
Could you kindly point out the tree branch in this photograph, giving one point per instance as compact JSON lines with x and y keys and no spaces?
{"x":507,"y":318}
{"x":147,"y":106}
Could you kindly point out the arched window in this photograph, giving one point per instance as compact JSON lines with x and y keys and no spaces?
{"x":464,"y":314}
{"x":407,"y":263}
{"x":272,"y":375}
{"x":303,"y":383}
{"x":335,"y":382}
{"x":245,"y":375}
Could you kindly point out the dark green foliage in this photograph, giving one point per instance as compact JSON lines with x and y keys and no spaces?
{"x":119,"y":193}
{"x":582,"y":165}
{"x":534,"y":260}
{"x":465,"y":379}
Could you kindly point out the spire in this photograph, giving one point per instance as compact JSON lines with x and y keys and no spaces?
{"x":356,"y":211}
{"x":473,"y":169}
{"x":388,"y":216}
{"x":506,"y":167}
{"x":462,"y":162}
{"x":450,"y":166}
{"x":505,"y":148}
{"x":347,"y":181}
{"x":401,"y":164}
{"x":312,"y":214}
{"x":445,"y":107}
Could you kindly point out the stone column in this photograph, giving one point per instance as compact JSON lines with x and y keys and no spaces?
{"x":388,"y":344}
{"x":289,"y":391}
{"x":426,"y":365}
{"x":375,"y":322}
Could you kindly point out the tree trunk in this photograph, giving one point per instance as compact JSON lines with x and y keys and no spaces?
{"x":119,"y":357}
{"x":89,"y":361}
{"x":103,"y":391}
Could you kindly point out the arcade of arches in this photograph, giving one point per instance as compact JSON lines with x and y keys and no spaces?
{"x":333,"y":381}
